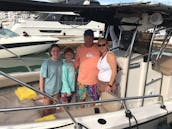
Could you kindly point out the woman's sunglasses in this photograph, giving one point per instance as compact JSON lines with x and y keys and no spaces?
{"x":101,"y":45}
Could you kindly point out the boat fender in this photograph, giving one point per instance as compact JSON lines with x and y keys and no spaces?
{"x":46,"y":118}
{"x":24,"y":93}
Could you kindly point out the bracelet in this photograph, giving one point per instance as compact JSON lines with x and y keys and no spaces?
{"x":110,"y":86}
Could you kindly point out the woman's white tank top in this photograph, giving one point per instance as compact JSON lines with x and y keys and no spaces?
{"x":104,"y":69}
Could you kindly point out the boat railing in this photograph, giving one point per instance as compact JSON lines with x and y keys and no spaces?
{"x":24,"y":58}
{"x":123,"y":100}
{"x":38,"y":91}
{"x":129,"y":51}
{"x":164,"y":44}
{"x":17,"y":57}
{"x":87,"y":102}
{"x":130,"y":60}
{"x":153,"y":81}
{"x":132,"y":65}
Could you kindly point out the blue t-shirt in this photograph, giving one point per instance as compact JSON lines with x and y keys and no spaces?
{"x":68,"y":78}
{"x":52,"y":72}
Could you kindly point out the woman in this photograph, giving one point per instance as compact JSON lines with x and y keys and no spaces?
{"x":107,"y":67}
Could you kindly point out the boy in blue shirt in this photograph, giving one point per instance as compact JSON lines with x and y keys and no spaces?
{"x":50,"y":77}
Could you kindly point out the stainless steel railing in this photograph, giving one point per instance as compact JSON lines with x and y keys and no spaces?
{"x":17,"y":57}
{"x":88,"y":102}
{"x":42,"y":93}
{"x":70,"y":104}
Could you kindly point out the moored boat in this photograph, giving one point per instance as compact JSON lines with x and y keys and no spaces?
{"x":14,"y":45}
{"x":62,"y":25}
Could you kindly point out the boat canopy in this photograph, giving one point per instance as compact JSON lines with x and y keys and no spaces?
{"x":110,"y":14}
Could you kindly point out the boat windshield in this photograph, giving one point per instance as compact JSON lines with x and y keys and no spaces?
{"x":68,"y":18}
{"x":4,"y":33}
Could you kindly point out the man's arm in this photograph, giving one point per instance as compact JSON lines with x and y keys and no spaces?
{"x":77,"y":60}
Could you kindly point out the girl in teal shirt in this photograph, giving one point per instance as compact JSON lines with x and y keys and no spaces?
{"x":68,"y":76}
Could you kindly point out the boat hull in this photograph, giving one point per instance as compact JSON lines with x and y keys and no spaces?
{"x":55,"y":28}
{"x":148,"y":117}
{"x":19,"y":46}
{"x":20,"y":51}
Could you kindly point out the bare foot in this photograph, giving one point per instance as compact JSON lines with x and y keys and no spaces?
{"x":92,"y":104}
{"x":82,"y":106}
{"x":60,"y":110}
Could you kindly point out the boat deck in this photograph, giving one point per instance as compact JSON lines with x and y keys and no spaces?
{"x":8,"y":99}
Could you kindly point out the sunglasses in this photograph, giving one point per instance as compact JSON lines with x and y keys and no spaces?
{"x":101,"y":45}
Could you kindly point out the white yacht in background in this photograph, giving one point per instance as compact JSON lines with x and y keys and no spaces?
{"x":14,"y":45}
{"x":59,"y":24}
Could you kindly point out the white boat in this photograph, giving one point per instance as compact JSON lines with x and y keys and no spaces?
{"x":144,"y":78}
{"x":58,"y":24}
{"x":14,"y":45}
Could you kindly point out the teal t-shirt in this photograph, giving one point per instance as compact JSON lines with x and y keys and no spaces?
{"x":68,"y":78}
{"x":52,"y":72}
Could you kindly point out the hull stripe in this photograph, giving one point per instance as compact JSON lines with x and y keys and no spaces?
{"x":14,"y":45}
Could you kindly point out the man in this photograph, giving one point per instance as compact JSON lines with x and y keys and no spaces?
{"x":87,"y":56}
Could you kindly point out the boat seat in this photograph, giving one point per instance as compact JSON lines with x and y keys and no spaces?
{"x":110,"y":106}
{"x":9,"y":100}
{"x":164,"y":65}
